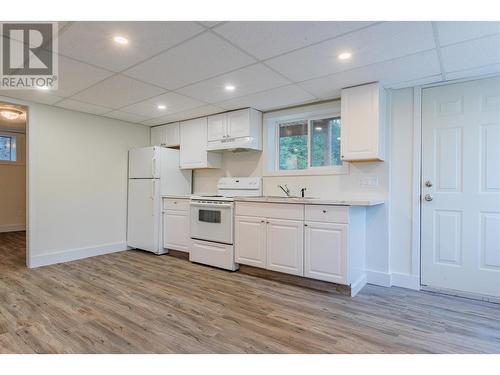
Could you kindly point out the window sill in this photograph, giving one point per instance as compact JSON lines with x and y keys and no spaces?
{"x":343,"y":170}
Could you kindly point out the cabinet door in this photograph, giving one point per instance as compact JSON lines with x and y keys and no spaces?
{"x":217,"y":127}
{"x":176,"y":230}
{"x":172,"y":138}
{"x":361,"y":125}
{"x":285,"y":246}
{"x":238,"y":123}
{"x":157,"y":135}
{"x":326,"y":252}
{"x":250,"y":241}
{"x":193,"y":152}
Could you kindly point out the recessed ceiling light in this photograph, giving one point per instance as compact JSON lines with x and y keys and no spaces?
{"x":230,"y":88}
{"x":344,"y":56}
{"x":120,"y":40}
{"x":162,"y":106}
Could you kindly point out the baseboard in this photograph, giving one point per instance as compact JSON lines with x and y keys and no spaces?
{"x":378,"y":278}
{"x":358,"y":285}
{"x":405,"y":281}
{"x":75,"y":254}
{"x":12,"y":227}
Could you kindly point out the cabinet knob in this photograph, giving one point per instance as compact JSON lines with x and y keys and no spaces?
{"x":305,"y":225}
{"x":324,"y":211}
{"x":262,"y":221}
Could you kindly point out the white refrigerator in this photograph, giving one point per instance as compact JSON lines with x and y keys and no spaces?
{"x":153,"y":172}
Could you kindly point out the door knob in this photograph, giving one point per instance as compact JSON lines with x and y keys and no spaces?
{"x":428,"y":183}
{"x":428,"y":197}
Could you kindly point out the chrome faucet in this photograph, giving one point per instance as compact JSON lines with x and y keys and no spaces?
{"x":285,"y":189}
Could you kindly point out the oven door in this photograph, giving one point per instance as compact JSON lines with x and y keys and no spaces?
{"x":212,"y":222}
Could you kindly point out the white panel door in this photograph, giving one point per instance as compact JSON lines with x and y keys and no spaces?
{"x":285,"y":246}
{"x":250,"y":241}
{"x":238,"y":123}
{"x":217,"y":127}
{"x":325,"y":255}
{"x":144,"y":162}
{"x":143,"y":218}
{"x":176,"y":230}
{"x":461,"y":187}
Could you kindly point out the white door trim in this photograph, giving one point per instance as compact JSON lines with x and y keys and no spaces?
{"x":416,"y":188}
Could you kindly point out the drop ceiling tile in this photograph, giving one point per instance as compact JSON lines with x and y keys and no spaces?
{"x":118,"y":91}
{"x":472,"y":54}
{"x":75,"y":76}
{"x":451,"y":32}
{"x":125,"y":116}
{"x":246,"y":81}
{"x":264,"y":39}
{"x":199,"y":58}
{"x":37,"y":96}
{"x":92,"y":42}
{"x":82,"y":107}
{"x":377,"y":43}
{"x":475,"y":72}
{"x":272,"y":99}
{"x":406,"y":68}
{"x":173,"y":102}
{"x":205,"y":110}
{"x":210,"y":23}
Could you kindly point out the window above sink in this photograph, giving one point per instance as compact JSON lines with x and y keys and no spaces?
{"x":304,"y":141}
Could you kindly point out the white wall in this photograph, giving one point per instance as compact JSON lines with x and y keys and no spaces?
{"x":77,"y":183}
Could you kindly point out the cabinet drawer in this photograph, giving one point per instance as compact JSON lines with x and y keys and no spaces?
{"x":327,"y":214}
{"x":285,"y":211}
{"x":176,"y":204}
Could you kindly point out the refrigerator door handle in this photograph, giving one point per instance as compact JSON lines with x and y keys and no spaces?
{"x":153,"y":192}
{"x":153,"y":167}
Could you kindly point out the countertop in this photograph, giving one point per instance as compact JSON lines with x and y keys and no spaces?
{"x":177,"y":196}
{"x":333,"y":202}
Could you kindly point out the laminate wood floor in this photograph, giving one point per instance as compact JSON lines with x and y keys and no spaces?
{"x":136,"y":302}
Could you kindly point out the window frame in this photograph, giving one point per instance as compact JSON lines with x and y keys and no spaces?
{"x":273,"y":169}
{"x":19,"y":139}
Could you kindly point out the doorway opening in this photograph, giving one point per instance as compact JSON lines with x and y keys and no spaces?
{"x":13,"y":187}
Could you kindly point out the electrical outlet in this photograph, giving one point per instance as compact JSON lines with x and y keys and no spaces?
{"x":368,"y":181}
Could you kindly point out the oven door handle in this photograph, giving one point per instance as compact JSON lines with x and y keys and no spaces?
{"x":221,"y":205}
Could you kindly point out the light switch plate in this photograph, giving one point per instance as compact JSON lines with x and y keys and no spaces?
{"x":368,"y":181}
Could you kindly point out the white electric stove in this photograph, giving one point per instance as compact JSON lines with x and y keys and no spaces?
{"x":212,"y":221}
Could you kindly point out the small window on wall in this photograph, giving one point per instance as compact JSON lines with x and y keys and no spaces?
{"x":304,"y":141}
{"x":8,"y":148}
{"x":309,"y":143}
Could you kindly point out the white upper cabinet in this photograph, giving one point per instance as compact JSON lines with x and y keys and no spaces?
{"x":157,"y":135}
{"x":363,"y":110}
{"x":217,"y":127}
{"x":165,"y":135}
{"x":172,"y":135}
{"x":193,"y":146}
{"x":236,"y":129}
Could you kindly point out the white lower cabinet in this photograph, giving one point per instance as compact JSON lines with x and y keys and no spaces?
{"x":250,"y":241}
{"x":322,"y":242}
{"x":176,"y":230}
{"x":285,"y":246}
{"x":176,"y":224}
{"x":325,"y":255}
